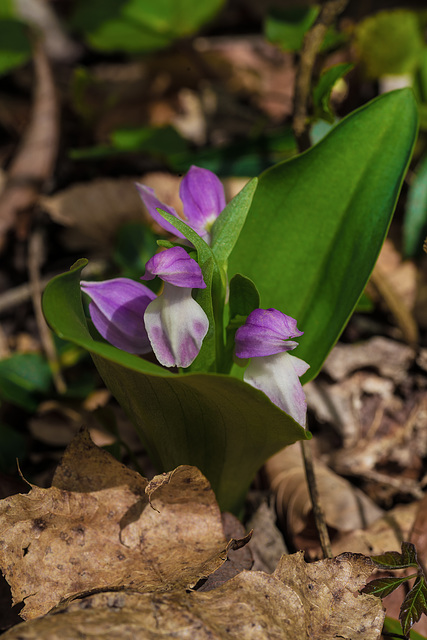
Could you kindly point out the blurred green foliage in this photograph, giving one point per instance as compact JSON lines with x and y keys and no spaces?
{"x":138,"y":26}
{"x":390,"y":43}
{"x":15,"y":48}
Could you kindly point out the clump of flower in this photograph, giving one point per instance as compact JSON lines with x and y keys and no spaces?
{"x":173,"y":325}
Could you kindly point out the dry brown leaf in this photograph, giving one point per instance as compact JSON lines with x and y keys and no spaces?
{"x":392,"y":359}
{"x":97,"y":209}
{"x":380,"y":417}
{"x":94,"y":528}
{"x":317,"y":601}
{"x":346,"y":508}
{"x":253,"y":67}
{"x":267,"y":544}
{"x":401,"y":274}
{"x":35,"y":158}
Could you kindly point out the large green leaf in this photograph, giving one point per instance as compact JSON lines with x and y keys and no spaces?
{"x":215,"y":422}
{"x":317,"y":221}
{"x":140,"y":25}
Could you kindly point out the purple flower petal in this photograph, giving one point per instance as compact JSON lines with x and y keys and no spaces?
{"x":203,"y":197}
{"x":152,"y":204}
{"x":176,"y":326}
{"x":117,"y":310}
{"x":278,"y":377}
{"x":266,"y":332}
{"x":176,"y":267}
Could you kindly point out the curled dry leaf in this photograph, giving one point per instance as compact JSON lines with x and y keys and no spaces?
{"x":346,"y":507}
{"x":95,"y":528}
{"x":305,"y":601}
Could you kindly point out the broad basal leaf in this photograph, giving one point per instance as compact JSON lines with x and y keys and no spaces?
{"x":219,"y":424}
{"x":317,"y":221}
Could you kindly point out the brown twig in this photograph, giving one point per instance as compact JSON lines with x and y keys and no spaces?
{"x":319,"y":516}
{"x":312,"y":42}
{"x":35,"y":250}
{"x":35,"y":158}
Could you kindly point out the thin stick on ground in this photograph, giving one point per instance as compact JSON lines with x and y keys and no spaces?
{"x":312,"y":42}
{"x":319,"y":517}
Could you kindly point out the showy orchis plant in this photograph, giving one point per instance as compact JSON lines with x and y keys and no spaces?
{"x":308,"y":235}
{"x":174,"y":324}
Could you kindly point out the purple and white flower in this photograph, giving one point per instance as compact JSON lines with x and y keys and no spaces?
{"x":175,"y":323}
{"x":202,"y":195}
{"x":265,"y":338}
{"x":130,"y":316}
{"x":117,"y":310}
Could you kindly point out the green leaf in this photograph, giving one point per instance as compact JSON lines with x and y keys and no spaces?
{"x":322,"y":91}
{"x":217,"y":423}
{"x":414,"y":605}
{"x":389,"y":42}
{"x":415,"y":222}
{"x":12,"y":447}
{"x":394,"y":627}
{"x":227,"y":227}
{"x":7,"y":9}
{"x":158,"y":141}
{"x":287,"y":27}
{"x":135,"y":245}
{"x":382,"y":587}
{"x":140,"y":25}
{"x":317,"y":222}
{"x":396,"y":560}
{"x":15,"y":47}
{"x":242,"y":157}
{"x":22,"y":377}
{"x":243,"y":298}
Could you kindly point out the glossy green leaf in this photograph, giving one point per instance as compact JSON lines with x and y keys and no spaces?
{"x":318,"y":221}
{"x":220,"y":424}
{"x":140,"y":25}
{"x":415,"y":222}
{"x":414,"y":605}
